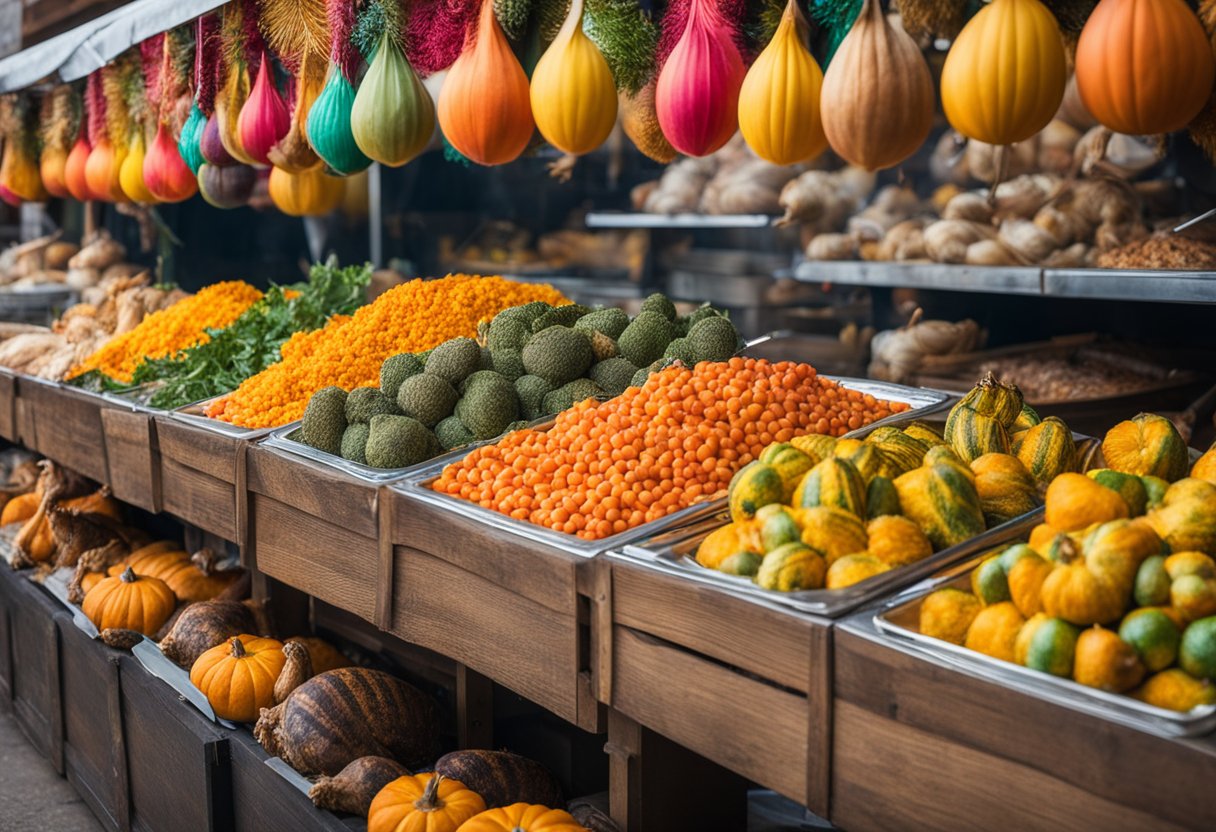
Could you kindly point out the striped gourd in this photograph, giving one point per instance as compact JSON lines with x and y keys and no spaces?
{"x":867,"y":459}
{"x":791,"y":568}
{"x":790,"y":463}
{"x":1005,"y":488}
{"x":818,"y":446}
{"x":833,"y":482}
{"x":754,"y":486}
{"x":942,"y":500}
{"x":944,"y":454}
{"x":833,"y":532}
{"x":993,"y":398}
{"x":1028,"y":418}
{"x":972,"y":434}
{"x":902,"y":452}
{"x":778,"y":526}
{"x":881,"y":498}
{"x":926,"y":433}
{"x":1048,"y":450}
{"x":1148,"y":444}
{"x":1128,"y":486}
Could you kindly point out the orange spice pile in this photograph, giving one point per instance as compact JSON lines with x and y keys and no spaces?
{"x":348,"y":351}
{"x":169,"y":331}
{"x":605,"y":468}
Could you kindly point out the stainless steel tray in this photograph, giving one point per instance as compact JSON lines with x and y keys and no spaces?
{"x":286,"y":439}
{"x":896,"y":624}
{"x":674,"y":553}
{"x":418,"y":483}
{"x":193,"y":414}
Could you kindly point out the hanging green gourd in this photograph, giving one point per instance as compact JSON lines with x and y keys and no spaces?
{"x":392,"y":117}
{"x":697,"y":95}
{"x":572,"y":91}
{"x":779,"y":101}
{"x":328,"y":126}
{"x":298,"y":33}
{"x":484,"y":108}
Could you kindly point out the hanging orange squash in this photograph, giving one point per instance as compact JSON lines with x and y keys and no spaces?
{"x":102,"y":170}
{"x":484,"y":107}
{"x":74,"y":170}
{"x":1004,"y":76}
{"x":1144,"y":66}
{"x":308,"y":194}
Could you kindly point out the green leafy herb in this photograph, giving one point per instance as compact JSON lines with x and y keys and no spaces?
{"x":251,"y":343}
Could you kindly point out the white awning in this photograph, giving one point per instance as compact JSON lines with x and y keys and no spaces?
{"x":90,"y":46}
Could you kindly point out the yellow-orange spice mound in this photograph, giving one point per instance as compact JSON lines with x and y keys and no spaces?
{"x":349,"y":350}
{"x":169,"y":331}
{"x":604,"y":468}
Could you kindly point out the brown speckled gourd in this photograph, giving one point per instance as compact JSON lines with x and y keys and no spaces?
{"x":344,"y":714}
{"x":352,"y":789}
{"x":502,"y":778}
{"x":203,"y":625}
{"x":295,"y":672}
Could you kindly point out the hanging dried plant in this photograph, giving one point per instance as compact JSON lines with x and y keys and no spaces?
{"x":926,"y":20}
{"x":675,"y":20}
{"x":62,"y":111}
{"x":435,"y":32}
{"x":298,"y":32}
{"x":240,"y":52}
{"x":628,"y":38}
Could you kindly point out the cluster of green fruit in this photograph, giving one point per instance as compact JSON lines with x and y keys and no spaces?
{"x":527,"y":363}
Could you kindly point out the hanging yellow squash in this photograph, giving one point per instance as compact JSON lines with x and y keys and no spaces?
{"x":19,"y":170}
{"x":779,"y":101}
{"x":1004,"y":77}
{"x":131,"y":172}
{"x":572,"y":91}
{"x":308,"y":194}
{"x":877,"y":99}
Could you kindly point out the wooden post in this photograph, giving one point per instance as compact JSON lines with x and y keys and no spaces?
{"x":474,"y":709}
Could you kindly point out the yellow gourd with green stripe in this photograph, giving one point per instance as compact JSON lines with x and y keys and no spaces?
{"x":1146,"y":445}
{"x":881,"y":498}
{"x":755,"y":486}
{"x":867,"y":459}
{"x":925,"y":433}
{"x":790,"y":463}
{"x":901,"y":452}
{"x":1128,"y":486}
{"x":791,"y":568}
{"x":1048,"y":450}
{"x":818,"y":446}
{"x":1205,"y":467}
{"x":833,"y":482}
{"x":1005,"y":488}
{"x":778,"y":526}
{"x":942,"y":500}
{"x":832,"y":531}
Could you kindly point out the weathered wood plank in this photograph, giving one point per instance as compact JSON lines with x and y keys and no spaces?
{"x":132,"y":457}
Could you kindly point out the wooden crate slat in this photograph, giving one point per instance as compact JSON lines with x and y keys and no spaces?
{"x":198,"y":498}
{"x":518,"y":643}
{"x":316,"y":557}
{"x":132,"y":457}
{"x":37,"y":706}
{"x":8,"y":406}
{"x":699,"y":704}
{"x":756,"y":638}
{"x":887,"y":775}
{"x":263,"y":800}
{"x":192,"y":446}
{"x":69,"y":428}
{"x":1110,"y":761}
{"x":314,"y":490}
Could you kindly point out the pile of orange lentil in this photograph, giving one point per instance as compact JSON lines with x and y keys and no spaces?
{"x":348,"y":351}
{"x":605,"y":468}
{"x":169,"y":331}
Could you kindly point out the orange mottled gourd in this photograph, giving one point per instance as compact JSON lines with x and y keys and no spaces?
{"x":129,"y":602}
{"x":1148,"y":445}
{"x":995,"y":630}
{"x":20,"y":508}
{"x":1074,"y":502}
{"x":1103,"y":660}
{"x":423,"y":803}
{"x":522,"y":817}
{"x":238,"y":676}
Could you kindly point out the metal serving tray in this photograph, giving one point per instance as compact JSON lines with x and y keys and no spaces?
{"x":194,"y":414}
{"x":896,"y":624}
{"x":674,"y":553}
{"x":418,"y":483}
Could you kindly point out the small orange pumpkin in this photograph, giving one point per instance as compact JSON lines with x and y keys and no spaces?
{"x":423,"y":803}
{"x":522,"y":817}
{"x":238,"y":676}
{"x":129,"y":602}
{"x":20,"y":508}
{"x":1144,"y":66}
{"x":175,"y":568}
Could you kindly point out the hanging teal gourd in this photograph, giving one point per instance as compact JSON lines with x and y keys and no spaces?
{"x":328,"y":125}
{"x":206,"y":58}
{"x":188,"y":141}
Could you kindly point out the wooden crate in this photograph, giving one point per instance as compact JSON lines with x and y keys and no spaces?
{"x":263,"y":799}
{"x":202,"y":477}
{"x":178,"y":764}
{"x":133,"y":457}
{"x":919,"y":745}
{"x":681,"y":658}
{"x":314,"y":528}
{"x":513,"y":610}
{"x":23,"y":413}
{"x":8,"y":406}
{"x":94,"y":758}
{"x":68,"y":426}
{"x":35,"y":664}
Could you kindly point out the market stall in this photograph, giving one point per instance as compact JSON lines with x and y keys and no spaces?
{"x":607,"y":541}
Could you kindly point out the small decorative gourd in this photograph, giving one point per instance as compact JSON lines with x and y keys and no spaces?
{"x":238,"y":677}
{"x":129,"y":602}
{"x":522,"y":817}
{"x":1144,"y":67}
{"x":309,"y":194}
{"x":1004,"y":76}
{"x":877,"y":102}
{"x":428,"y":802}
{"x":779,"y":101}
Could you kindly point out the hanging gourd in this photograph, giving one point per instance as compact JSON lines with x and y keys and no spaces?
{"x":392,"y":116}
{"x":226,"y":187}
{"x":101,"y":172}
{"x":641,"y":124}
{"x":73,"y":170}
{"x":697,"y":94}
{"x":51,"y":167}
{"x":298,"y":33}
{"x":1004,"y":76}
{"x":779,"y":100}
{"x":8,"y":197}
{"x":188,"y":141}
{"x":877,"y":101}
{"x":328,"y":126}
{"x":60,"y":125}
{"x":131,"y":172}
{"x":572,"y":92}
{"x":264,"y":118}
{"x":241,"y":50}
{"x":485,"y":111}
{"x":1144,"y":66}
{"x":211,"y":145}
{"x":165,"y":172}
{"x":19,"y":162}
{"x":308,"y":194}
{"x":206,"y":70}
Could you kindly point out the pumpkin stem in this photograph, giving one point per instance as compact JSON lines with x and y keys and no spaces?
{"x":1066,"y":550}
{"x":430,"y":802}
{"x":238,"y":648}
{"x":128,"y":576}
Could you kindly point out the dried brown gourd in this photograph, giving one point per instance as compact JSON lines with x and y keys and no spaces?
{"x":353,"y":788}
{"x":295,"y":672}
{"x":502,"y":778}
{"x":203,"y":625}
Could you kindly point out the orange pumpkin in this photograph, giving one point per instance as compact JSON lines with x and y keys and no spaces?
{"x":238,"y":676}
{"x":20,"y":508}
{"x":1144,"y":66}
{"x":522,"y":817}
{"x":175,"y":568}
{"x":129,"y":602}
{"x":423,"y":803}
